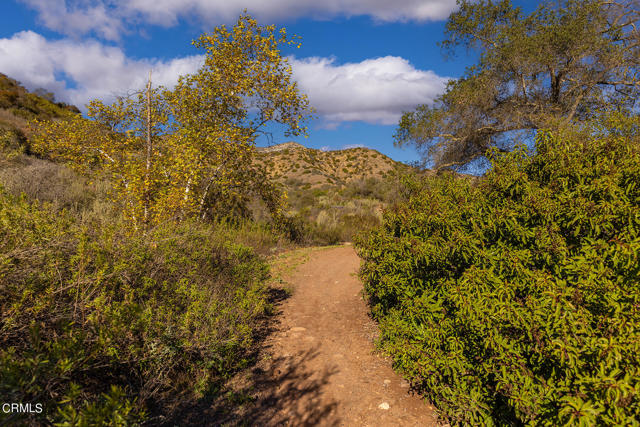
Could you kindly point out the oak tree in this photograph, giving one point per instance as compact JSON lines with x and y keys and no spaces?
{"x":566,"y":61}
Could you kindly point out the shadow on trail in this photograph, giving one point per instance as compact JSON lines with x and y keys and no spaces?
{"x":272,"y":392}
{"x":289,"y":395}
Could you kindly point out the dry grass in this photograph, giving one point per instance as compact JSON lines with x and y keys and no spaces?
{"x":52,"y":183}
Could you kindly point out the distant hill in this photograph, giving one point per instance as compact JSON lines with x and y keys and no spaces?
{"x":18,"y":107}
{"x":292,"y":161}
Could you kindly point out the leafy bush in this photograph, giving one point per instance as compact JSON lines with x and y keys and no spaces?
{"x":517,"y":300}
{"x":105,"y":328}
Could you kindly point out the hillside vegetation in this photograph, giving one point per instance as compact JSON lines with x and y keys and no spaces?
{"x":291,"y":161}
{"x":108,"y":329}
{"x":333,"y":195}
{"x":18,"y":107}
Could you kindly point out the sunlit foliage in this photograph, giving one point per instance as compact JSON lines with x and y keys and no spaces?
{"x":187,"y":152}
{"x":517,"y":299}
{"x":102,"y":327}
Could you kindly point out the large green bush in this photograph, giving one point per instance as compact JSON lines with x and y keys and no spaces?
{"x":515,"y":299}
{"x":107,"y":328}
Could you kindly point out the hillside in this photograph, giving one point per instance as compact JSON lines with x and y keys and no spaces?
{"x":21,"y":172}
{"x":18,"y":106}
{"x":333,"y":194}
{"x":287,"y":163}
{"x":292,"y":162}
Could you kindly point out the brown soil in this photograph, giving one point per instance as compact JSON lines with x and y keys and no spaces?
{"x":317,"y":365}
{"x":320,"y":366}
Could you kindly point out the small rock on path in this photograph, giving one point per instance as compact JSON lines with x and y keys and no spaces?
{"x":321,"y":365}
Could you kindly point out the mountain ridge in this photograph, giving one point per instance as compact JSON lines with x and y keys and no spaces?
{"x":291,"y":161}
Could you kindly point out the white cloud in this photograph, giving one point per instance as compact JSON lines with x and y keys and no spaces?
{"x":350,"y":146}
{"x":168,"y":11}
{"x":106,"y":18}
{"x":79,"y":17}
{"x":80,"y":71}
{"x":374,"y":91}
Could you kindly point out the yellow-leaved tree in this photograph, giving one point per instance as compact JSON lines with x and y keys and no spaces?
{"x":189,"y":151}
{"x":122,"y":139}
{"x":243,"y":85}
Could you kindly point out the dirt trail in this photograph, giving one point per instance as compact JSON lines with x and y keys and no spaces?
{"x":319,"y":366}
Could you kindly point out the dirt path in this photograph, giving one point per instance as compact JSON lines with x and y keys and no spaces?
{"x":319,"y":365}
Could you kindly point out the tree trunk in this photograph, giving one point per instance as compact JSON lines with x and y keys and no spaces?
{"x":147,"y":183}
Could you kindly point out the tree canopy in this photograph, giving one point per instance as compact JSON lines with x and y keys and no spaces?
{"x":188,"y":151}
{"x":566,"y":61}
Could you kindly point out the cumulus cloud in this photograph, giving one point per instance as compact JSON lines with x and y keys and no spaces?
{"x":80,"y":71}
{"x":106,"y":18}
{"x":374,"y":91}
{"x":74,"y":17}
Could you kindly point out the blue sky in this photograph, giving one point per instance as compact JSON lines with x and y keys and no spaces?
{"x":362,"y":62}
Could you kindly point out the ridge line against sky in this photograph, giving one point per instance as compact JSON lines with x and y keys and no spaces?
{"x":359,"y":73}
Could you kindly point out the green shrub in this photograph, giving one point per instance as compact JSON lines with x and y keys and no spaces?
{"x":13,"y":143}
{"x":7,"y":98}
{"x":517,"y":300}
{"x":105,"y":328}
{"x":376,"y":188}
